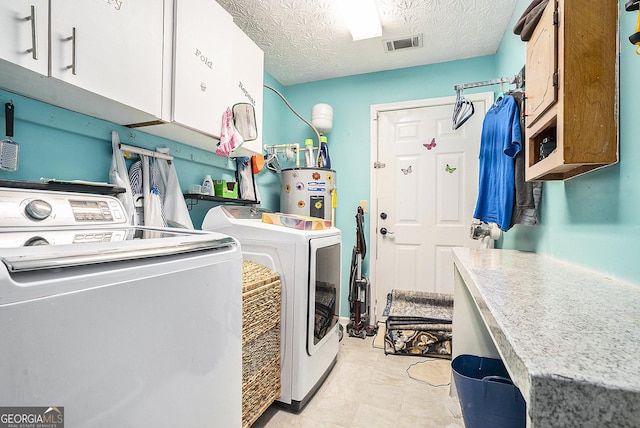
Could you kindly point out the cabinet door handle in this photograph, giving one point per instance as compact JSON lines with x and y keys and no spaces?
{"x":34,"y":35}
{"x":72,"y":38}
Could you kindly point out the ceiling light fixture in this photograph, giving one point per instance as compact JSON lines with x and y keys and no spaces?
{"x":362,"y":18}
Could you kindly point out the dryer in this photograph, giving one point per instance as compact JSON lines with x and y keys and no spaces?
{"x":114,"y":325}
{"x":309,"y":263}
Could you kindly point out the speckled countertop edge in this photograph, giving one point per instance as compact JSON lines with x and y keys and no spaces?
{"x":555,"y":323}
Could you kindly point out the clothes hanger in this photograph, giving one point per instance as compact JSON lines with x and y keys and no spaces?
{"x":457,"y":105}
{"x":501,"y":93}
{"x":272,"y":162}
{"x":462,"y":110}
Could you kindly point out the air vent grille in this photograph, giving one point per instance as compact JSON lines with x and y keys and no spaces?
{"x":402,"y":44}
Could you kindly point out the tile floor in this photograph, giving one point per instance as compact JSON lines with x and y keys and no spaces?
{"x":369,"y":389}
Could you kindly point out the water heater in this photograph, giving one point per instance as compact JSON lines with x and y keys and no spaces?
{"x":307,"y":191}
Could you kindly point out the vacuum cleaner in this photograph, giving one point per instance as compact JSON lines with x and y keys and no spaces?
{"x":359,"y":286}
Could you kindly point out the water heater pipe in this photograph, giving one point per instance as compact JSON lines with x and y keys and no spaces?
{"x":299,"y":117}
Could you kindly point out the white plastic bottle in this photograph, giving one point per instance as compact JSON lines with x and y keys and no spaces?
{"x":207,"y":186}
{"x":309,"y":158}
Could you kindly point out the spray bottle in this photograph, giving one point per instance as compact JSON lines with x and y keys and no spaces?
{"x":309,"y":158}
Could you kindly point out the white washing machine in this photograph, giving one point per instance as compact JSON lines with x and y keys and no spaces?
{"x":308,"y":262}
{"x":113,"y":325}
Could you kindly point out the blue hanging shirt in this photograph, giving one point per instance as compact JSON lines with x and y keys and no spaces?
{"x":500,"y":143}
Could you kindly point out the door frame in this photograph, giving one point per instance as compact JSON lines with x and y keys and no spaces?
{"x":375,"y":110}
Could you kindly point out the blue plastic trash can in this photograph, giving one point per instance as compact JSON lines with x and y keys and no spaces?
{"x":488,"y":397}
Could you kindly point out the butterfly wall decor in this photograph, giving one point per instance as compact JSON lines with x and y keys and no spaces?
{"x":449,"y":169}
{"x":431,"y":145}
{"x":406,"y":171}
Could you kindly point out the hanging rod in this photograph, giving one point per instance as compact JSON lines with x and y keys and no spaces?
{"x":513,"y":80}
{"x":140,"y":151}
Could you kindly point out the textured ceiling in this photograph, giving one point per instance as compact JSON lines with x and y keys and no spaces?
{"x":307,"y":40}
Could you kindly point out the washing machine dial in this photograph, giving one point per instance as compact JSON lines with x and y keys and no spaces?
{"x":38,"y":209}
{"x":36,"y":241}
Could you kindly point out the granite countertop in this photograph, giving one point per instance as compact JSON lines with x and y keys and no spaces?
{"x":570,"y":337}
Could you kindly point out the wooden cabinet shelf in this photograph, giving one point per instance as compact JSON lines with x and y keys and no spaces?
{"x":571,"y":71}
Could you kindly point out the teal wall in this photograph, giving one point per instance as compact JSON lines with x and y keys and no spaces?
{"x":58,"y":143}
{"x":591,"y":220}
{"x":349,"y":140}
{"x":273,"y":133}
{"x":61,"y":144}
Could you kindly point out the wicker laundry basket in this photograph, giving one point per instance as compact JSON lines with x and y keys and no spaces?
{"x":260,"y":340}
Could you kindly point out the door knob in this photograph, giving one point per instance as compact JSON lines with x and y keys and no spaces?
{"x":384,"y":231}
{"x":383,"y":216}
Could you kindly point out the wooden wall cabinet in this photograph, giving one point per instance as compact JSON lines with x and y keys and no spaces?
{"x":572,"y":89}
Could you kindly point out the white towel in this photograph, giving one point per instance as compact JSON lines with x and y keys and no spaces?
{"x":175,"y":208}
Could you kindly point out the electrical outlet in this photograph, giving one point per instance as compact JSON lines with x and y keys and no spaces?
{"x":365,"y":206}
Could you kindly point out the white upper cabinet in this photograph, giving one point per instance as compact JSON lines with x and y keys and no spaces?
{"x":102,"y":58}
{"x":168,"y":67}
{"x":25,"y":35}
{"x":111,"y":48}
{"x":197,"y":70}
{"x":202,"y":64}
{"x":246,"y":84}
{"x":210,"y":65}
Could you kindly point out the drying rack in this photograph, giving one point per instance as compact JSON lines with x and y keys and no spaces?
{"x":282,"y":148}
{"x":145,"y":152}
{"x":513,"y":80}
{"x":463,"y":108}
{"x":517,"y":80}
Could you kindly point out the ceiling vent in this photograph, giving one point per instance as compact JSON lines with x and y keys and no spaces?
{"x":402,"y":44}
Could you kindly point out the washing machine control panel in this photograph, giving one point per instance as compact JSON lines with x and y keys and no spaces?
{"x":28,"y":208}
{"x":95,"y":211}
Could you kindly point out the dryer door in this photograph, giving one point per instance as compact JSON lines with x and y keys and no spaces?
{"x":324,"y":290}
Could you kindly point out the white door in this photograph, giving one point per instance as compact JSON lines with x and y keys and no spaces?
{"x":25,"y":34}
{"x":424,"y":190}
{"x":111,"y":48}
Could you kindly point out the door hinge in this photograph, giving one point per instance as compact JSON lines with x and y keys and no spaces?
{"x":555,"y":78}
{"x":377,"y":164}
{"x":556,"y":16}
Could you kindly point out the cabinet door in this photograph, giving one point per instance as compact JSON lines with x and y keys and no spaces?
{"x":202,"y":64}
{"x":112,"y":48}
{"x":247,"y":77}
{"x":24,"y":41}
{"x":542,"y":65}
